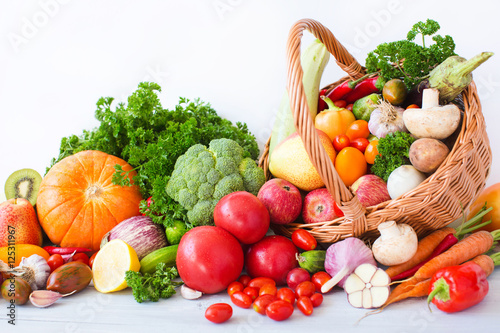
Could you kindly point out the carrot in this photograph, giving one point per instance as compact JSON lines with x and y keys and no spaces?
{"x":466,"y":249}
{"x":425,"y":247}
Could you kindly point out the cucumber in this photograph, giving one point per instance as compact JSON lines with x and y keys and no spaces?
{"x":165,"y":254}
{"x":312,"y":261}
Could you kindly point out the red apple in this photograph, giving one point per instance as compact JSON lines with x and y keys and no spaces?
{"x":19,"y":223}
{"x":371,"y":190}
{"x":319,"y":206}
{"x":282,"y":199}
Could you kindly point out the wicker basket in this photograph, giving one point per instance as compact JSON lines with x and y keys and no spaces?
{"x":435,"y":203}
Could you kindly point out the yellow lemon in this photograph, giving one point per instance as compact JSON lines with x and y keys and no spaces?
{"x":110,"y":265}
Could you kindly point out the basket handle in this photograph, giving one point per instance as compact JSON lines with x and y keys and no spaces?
{"x":304,"y":124}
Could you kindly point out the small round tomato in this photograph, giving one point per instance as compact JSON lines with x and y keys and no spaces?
{"x":360,"y":144}
{"x":260,"y":304}
{"x":241,"y":299}
{"x":268,"y":289}
{"x":349,"y":107}
{"x":91,"y":260}
{"x":306,"y":288}
{"x":340,"y":103}
{"x":219,"y":312}
{"x":296,"y":276}
{"x":304,"y":240}
{"x":82,"y":257}
{"x":340,"y":142}
{"x":234,"y":287}
{"x":358,"y":129}
{"x":244,"y":279}
{"x":279,"y":310}
{"x":371,"y":151}
{"x":319,"y":279}
{"x":316,"y":299}
{"x":55,"y":261}
{"x":350,"y":165}
{"x":337,"y":210}
{"x":252,"y":292}
{"x":286,"y":294}
{"x":305,"y":305}
{"x":413,"y":106}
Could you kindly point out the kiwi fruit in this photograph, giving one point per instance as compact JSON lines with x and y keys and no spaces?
{"x":23,"y":183}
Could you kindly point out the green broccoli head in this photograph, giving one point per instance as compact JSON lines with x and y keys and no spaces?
{"x":203,"y":176}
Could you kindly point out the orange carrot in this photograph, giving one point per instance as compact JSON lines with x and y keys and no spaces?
{"x":425,"y":247}
{"x":466,"y":249}
{"x":487,"y":263}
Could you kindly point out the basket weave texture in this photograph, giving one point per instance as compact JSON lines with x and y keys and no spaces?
{"x":435,"y":203}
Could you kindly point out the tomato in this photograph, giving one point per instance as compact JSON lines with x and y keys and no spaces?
{"x":55,"y":261}
{"x":306,"y":288}
{"x":304,"y":240}
{"x":208,"y":259}
{"x":252,"y":292}
{"x":340,"y":103}
{"x":337,"y":209}
{"x":286,"y":294}
{"x":349,"y":107}
{"x":91,"y":260}
{"x":350,"y":165}
{"x":305,"y":305}
{"x":219,"y":312}
{"x":296,"y":276}
{"x":490,"y":196}
{"x":371,"y":152}
{"x":273,"y":257}
{"x":82,"y":257}
{"x":243,"y":215}
{"x":360,"y":144}
{"x":241,"y":299}
{"x":244,"y":279}
{"x":358,"y":129}
{"x":259,"y":282}
{"x":413,"y":106}
{"x":268,"y":289}
{"x":234,"y":287}
{"x":319,"y":279}
{"x":340,"y":142}
{"x":279,"y":310}
{"x":260,"y":304}
{"x":316,"y":299}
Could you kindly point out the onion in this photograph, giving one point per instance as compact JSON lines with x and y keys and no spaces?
{"x":140,"y":232}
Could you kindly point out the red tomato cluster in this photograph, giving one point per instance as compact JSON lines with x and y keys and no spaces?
{"x":57,"y":260}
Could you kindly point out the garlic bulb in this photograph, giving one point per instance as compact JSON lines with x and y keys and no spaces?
{"x":385,"y":119}
{"x":367,"y":287}
{"x":34,"y":270}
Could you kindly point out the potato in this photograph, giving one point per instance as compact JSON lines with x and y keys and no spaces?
{"x":427,"y":154}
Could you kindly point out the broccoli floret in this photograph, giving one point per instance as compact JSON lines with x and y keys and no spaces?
{"x":202,"y":176}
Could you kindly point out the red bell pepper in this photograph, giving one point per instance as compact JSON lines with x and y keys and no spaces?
{"x":364,"y":88}
{"x":321,"y":101}
{"x":457,"y":288}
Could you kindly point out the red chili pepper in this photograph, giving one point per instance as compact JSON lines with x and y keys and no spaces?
{"x":341,"y":90}
{"x":65,"y":250}
{"x":321,"y":102}
{"x":365,"y":88}
{"x":457,"y":288}
{"x":444,"y":245}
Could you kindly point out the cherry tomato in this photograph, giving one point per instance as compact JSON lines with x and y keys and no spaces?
{"x":252,"y":292}
{"x":55,"y":261}
{"x":319,"y":279}
{"x":358,"y":129}
{"x":219,"y":312}
{"x":296,"y":276}
{"x":360,"y":144}
{"x":260,"y":304}
{"x":91,"y":260}
{"x":306,"y":288}
{"x":340,"y":103}
{"x":234,"y":287}
{"x":82,"y":257}
{"x":413,"y":106}
{"x":349,"y":107}
{"x":337,"y":210}
{"x":244,"y":279}
{"x":340,"y":142}
{"x":371,"y":152}
{"x":286,"y":294}
{"x":241,"y":299}
{"x":279,"y":310}
{"x":305,"y":305}
{"x":259,"y":282}
{"x":304,"y":240}
{"x":316,"y":299}
{"x":268,"y":289}
{"x":350,"y":165}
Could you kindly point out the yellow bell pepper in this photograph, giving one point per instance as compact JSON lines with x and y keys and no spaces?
{"x":333,"y":121}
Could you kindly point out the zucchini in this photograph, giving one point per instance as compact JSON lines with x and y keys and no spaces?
{"x":312,"y":261}
{"x":166,"y":255}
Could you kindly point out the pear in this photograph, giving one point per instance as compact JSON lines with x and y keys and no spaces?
{"x":291,"y":162}
{"x":19,"y":223}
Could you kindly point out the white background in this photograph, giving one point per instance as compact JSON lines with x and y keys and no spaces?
{"x":58,"y":57}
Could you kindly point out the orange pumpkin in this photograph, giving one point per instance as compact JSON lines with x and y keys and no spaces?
{"x":78,"y":203}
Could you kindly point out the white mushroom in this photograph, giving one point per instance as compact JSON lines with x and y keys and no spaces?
{"x":397,"y":243}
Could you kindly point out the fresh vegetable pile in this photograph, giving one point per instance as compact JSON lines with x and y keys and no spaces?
{"x":204,"y":227}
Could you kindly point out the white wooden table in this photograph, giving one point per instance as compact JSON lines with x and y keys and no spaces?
{"x":91,"y":311}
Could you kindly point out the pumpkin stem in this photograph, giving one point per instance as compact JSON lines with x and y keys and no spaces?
{"x":93,"y":191}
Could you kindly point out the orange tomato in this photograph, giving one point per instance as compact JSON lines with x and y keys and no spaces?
{"x":358,"y":129}
{"x":413,"y":106}
{"x":490,"y":196}
{"x":350,"y":165}
{"x":371,"y":151}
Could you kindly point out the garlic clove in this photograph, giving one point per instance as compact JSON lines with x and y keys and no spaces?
{"x":354,"y":283}
{"x":380,"y":279}
{"x":379,"y":296}
{"x":356,"y":299}
{"x":365,"y":272}
{"x":45,"y":298}
{"x":189,"y":293}
{"x":367,"y":298}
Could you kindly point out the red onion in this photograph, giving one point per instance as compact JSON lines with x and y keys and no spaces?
{"x":140,"y":232}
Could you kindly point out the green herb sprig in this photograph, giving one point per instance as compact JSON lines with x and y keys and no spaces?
{"x":152,"y":287}
{"x":394,"y":151}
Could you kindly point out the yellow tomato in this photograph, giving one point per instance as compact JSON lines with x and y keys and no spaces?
{"x":350,"y":165}
{"x":371,"y":151}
